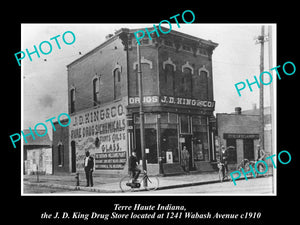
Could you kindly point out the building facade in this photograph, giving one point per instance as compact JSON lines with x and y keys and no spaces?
{"x":178,"y":102}
{"x":241,"y":130}
{"x":37,"y":153}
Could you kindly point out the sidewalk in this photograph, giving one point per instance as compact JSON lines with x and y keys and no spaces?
{"x":107,"y":184}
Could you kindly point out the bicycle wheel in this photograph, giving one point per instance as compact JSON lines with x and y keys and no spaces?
{"x":125,"y":184}
{"x":261,"y":168}
{"x":152,"y":183}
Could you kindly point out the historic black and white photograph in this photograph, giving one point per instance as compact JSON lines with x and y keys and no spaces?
{"x":170,"y":108}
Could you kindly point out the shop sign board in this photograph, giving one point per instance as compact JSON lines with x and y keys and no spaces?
{"x":170,"y":100}
{"x":240,"y":136}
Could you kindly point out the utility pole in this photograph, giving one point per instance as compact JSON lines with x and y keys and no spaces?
{"x":271,"y":95}
{"x":261,"y":40}
{"x":271,"y":86}
{"x":142,"y":129}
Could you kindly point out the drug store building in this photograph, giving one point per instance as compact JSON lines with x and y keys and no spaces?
{"x":178,"y":102}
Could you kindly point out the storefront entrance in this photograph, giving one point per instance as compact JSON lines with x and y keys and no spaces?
{"x":249,"y":149}
{"x":165,"y":136}
{"x":150,"y":145}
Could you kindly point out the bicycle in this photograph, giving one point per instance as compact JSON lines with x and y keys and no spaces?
{"x":245,"y":164}
{"x":126,"y":183}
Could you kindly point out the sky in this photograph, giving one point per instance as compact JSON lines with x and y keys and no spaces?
{"x":44,"y":79}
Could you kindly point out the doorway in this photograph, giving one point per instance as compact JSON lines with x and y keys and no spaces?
{"x":150,"y":145}
{"x":186,"y":140}
{"x":73,"y":156}
{"x":248,"y":149}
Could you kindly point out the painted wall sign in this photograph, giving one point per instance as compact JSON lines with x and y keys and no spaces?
{"x":170,"y":100}
{"x":102,"y":132}
{"x":240,"y":136}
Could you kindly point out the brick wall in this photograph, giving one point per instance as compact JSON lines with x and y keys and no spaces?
{"x":61,"y":135}
{"x":149,"y":71}
{"x":100,"y":61}
{"x":196,"y":89}
{"x":155,"y":81}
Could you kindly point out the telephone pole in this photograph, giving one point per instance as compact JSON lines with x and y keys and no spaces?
{"x":271,"y":86}
{"x":261,"y":40}
{"x":261,"y":93}
{"x":271,"y":95}
{"x":142,"y":129}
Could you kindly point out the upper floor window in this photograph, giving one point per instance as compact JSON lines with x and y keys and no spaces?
{"x":204,"y":84}
{"x":187,"y":82}
{"x":169,"y":80}
{"x":72,"y":100}
{"x":117,"y":83}
{"x":96,"y":91}
{"x":60,"y":154}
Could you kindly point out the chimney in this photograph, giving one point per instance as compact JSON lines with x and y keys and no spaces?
{"x":238,"y":110}
{"x":254,"y":106}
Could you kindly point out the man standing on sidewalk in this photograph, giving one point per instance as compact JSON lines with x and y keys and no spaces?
{"x":224,"y":160}
{"x":88,"y":168}
{"x":185,"y":158}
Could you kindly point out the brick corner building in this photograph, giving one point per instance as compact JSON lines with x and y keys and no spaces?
{"x":178,"y":102}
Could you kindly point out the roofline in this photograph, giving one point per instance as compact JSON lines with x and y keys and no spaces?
{"x":127,"y":30}
{"x":106,"y":42}
{"x":178,"y":33}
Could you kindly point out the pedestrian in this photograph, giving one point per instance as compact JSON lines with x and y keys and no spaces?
{"x":133,"y":166}
{"x":89,"y":168}
{"x":260,"y":156}
{"x":260,"y":153}
{"x":224,"y":160}
{"x":185,"y":159}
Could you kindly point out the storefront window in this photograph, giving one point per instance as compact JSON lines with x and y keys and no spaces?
{"x":150,"y":137}
{"x":232,"y":158}
{"x":164,"y":118}
{"x":184,"y":124}
{"x":172,"y":118}
{"x":169,"y":136}
{"x":200,"y":138}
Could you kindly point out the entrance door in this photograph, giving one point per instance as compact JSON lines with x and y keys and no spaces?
{"x":150,"y":143}
{"x":73,"y":157}
{"x":188,"y":144}
{"x":248,"y":149}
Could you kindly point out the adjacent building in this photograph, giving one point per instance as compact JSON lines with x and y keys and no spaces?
{"x":37,"y":153}
{"x":241,"y":130}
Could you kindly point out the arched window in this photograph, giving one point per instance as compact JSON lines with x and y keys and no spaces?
{"x":168,"y":80}
{"x":60,"y":154}
{"x":96,"y":90}
{"x":187,"y":82}
{"x":72,"y":100}
{"x":203,"y":83}
{"x":117,"y":83}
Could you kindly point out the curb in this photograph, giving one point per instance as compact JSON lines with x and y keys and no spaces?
{"x":97,"y":189}
{"x":70,"y":187}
